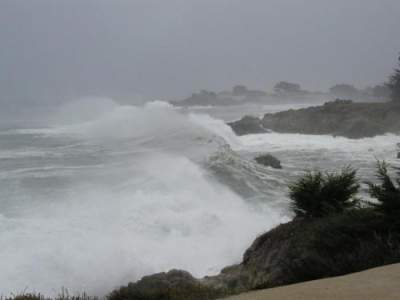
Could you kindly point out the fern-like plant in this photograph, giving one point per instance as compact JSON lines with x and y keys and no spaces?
{"x":387,"y":192}
{"x":318,"y":194}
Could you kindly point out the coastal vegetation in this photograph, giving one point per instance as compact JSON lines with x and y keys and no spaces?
{"x":394,"y":84}
{"x":318,"y":194}
{"x":64,"y":295}
{"x":286,"y":92}
{"x":387,"y":193}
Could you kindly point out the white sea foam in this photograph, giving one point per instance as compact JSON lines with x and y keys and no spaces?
{"x":379,"y":147}
{"x":99,"y":236}
{"x":128,"y":213}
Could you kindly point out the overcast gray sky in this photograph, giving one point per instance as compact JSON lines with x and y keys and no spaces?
{"x":60,"y":49}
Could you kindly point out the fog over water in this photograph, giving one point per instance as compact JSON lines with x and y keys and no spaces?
{"x":60,"y":50}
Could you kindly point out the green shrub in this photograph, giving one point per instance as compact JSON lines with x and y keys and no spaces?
{"x":318,"y":194}
{"x":387,"y":192}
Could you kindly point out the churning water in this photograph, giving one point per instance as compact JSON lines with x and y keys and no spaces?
{"x":105,"y":193}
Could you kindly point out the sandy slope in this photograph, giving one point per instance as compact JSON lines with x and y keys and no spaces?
{"x":376,"y":284}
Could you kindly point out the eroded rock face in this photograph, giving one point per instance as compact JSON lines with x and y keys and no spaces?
{"x":301,"y":251}
{"x":269,"y":161}
{"x":337,"y":118}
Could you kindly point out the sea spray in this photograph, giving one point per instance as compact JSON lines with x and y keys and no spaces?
{"x":103,"y":199}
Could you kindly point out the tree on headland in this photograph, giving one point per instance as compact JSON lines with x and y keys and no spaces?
{"x":344,"y":91}
{"x":381,"y":91}
{"x":394,"y":84}
{"x":287,"y":88}
{"x":243,"y":91}
{"x":240,"y":90}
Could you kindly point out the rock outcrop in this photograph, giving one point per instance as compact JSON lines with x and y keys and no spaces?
{"x":269,"y":161}
{"x":337,"y":118}
{"x":176,"y":285}
{"x":248,"y":125}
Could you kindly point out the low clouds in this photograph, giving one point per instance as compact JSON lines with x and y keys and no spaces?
{"x":55,"y":50}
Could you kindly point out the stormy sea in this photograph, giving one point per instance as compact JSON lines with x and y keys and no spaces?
{"x":98,"y":194}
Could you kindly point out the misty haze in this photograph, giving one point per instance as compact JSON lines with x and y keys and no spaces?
{"x":191,"y":150}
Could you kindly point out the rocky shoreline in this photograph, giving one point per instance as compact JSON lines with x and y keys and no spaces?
{"x":298,"y":251}
{"x":333,"y":233}
{"x":337,"y":118}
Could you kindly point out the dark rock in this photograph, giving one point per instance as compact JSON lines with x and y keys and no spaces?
{"x":337,"y":118}
{"x":361,"y":129}
{"x":269,"y":161}
{"x":205,"y":98}
{"x":174,"y":285}
{"x":248,"y":125}
{"x":302,"y":250}
{"x":202,"y":98}
{"x":398,"y":152}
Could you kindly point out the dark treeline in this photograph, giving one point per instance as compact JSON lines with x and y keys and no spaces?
{"x":282,"y":90}
{"x":286,"y":90}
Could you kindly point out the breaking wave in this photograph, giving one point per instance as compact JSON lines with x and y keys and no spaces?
{"x":108,"y":193}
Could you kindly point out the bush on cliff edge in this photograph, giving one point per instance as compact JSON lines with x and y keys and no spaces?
{"x":318,"y":194}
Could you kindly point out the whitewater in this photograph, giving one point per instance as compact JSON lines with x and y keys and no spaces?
{"x":104,"y":193}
